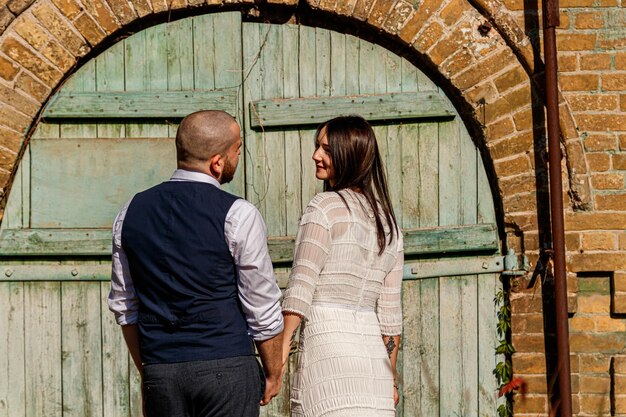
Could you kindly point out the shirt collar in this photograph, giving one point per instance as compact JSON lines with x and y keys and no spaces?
{"x":184,"y":175}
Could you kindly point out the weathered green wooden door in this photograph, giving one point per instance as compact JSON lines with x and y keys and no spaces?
{"x":108,"y":133}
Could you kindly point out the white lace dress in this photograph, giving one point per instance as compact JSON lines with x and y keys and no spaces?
{"x":348,"y":297}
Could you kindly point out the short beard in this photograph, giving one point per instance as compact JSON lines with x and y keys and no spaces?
{"x":228,"y":173}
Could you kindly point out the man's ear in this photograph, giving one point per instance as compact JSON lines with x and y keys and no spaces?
{"x":216,"y":165}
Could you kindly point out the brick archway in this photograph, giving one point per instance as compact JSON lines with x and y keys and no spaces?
{"x":479,"y":52}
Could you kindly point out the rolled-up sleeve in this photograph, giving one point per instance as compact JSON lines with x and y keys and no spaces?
{"x":122,"y":297}
{"x":389,"y":305}
{"x":246,"y":236}
{"x":311,"y":251}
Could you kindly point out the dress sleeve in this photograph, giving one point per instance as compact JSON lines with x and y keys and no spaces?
{"x":311,"y":250}
{"x":389,"y":306}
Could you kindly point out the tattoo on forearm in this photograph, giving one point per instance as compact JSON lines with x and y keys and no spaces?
{"x":390,"y":345}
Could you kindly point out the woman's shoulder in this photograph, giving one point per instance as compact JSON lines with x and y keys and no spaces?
{"x":324,"y":200}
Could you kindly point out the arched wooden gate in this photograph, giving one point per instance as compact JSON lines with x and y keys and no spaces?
{"x":107,"y":134}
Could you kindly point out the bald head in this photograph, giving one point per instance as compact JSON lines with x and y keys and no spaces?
{"x":204,"y":134}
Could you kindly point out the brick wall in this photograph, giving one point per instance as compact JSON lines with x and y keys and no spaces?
{"x":487,"y":56}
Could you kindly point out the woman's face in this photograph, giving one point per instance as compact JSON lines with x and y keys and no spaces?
{"x":324,"y":165}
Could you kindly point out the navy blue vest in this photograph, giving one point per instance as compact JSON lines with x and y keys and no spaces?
{"x":184,"y":274}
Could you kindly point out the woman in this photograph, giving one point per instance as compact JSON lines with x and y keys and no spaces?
{"x":344,"y":288}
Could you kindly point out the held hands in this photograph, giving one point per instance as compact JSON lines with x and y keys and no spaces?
{"x":272,"y":388}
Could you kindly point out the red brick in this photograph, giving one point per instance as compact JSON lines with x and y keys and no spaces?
{"x":595,"y":61}
{"x":581,"y":324}
{"x":576,"y":41}
{"x":160,"y":5}
{"x":88,"y":28}
{"x":608,"y":41}
{"x":599,"y":241}
{"x":523,"y":303}
{"x":607,"y":181}
{"x":595,"y":405}
{"x":425,"y":9}
{"x":620,"y":61}
{"x":567,"y":63}
{"x":499,"y":129}
{"x":100,"y":12}
{"x":579,"y":82}
{"x":473,"y":75}
{"x":531,"y":405}
{"x":601,"y":122}
{"x":69,"y":8}
{"x":125,"y":14}
{"x":608,"y":324}
{"x":572,"y":241}
{"x":519,"y":164}
{"x":11,"y":140}
{"x":512,"y":145}
{"x":509,"y":103}
{"x":398,"y":16}
{"x":511,"y":78}
{"x":8,"y":159}
{"x":619,"y":303}
{"x":599,"y":162}
{"x":600,"y":143}
{"x":619,"y":280}
{"x":524,"y":119}
{"x":611,"y":202}
{"x":58,"y":55}
{"x":25,"y":56}
{"x":453,"y":11}
{"x":378,"y":14}
{"x":527,"y":343}
{"x":596,"y":342}
{"x":481,"y":93}
{"x":19,"y":101}
{"x":428,"y":37}
{"x":587,"y":3}
{"x":580,"y":221}
{"x":597,"y":261}
{"x":622,"y":142}
{"x":614,"y":81}
{"x":595,"y":384}
{"x":13,"y":119}
{"x":450,"y":44}
{"x":362,"y":9}
{"x":589,"y":20}
{"x":530,"y":363}
{"x":32,"y":87}
{"x":527,"y":323}
{"x":594,"y":362}
{"x":593,"y":102}
{"x":619,"y":161}
{"x":59,"y":27}
{"x":8,"y":70}
{"x":30,"y":30}
{"x":457,"y":62}
{"x":142,"y":7}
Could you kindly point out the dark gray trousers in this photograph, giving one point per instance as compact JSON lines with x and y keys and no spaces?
{"x":230,"y":387}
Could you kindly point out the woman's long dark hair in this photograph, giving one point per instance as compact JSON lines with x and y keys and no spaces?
{"x":357,"y":164}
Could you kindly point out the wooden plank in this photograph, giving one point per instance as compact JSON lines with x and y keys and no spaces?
{"x":146,"y":70}
{"x":453,"y":267}
{"x":42,"y":349}
{"x":411,"y":355}
{"x":88,"y":188}
{"x":274,"y":141}
{"x":374,"y":107}
{"x":323,"y":63}
{"x":83,"y":81}
{"x":228,"y":74}
{"x":203,"y":51}
{"x":450,"y":341}
{"x":38,"y":242}
{"x":428,"y":186}
{"x":293,"y":147}
{"x":82,"y":348}
{"x":338,"y":69}
{"x":429,"y":348}
{"x":410,"y":169}
{"x":136,"y":105}
{"x":115,"y":378}
{"x":13,"y":212}
{"x":180,"y":55}
{"x":254,"y":36}
{"x":110,"y":77}
{"x":12,"y":361}
{"x":487,"y":337}
{"x":307,"y":61}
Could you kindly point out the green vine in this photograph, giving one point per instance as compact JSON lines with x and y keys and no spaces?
{"x":504,"y":369}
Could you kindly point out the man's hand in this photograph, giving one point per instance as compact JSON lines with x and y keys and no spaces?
{"x":272,"y":388}
{"x":270,"y":351}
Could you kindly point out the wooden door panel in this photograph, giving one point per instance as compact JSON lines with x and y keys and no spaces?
{"x":74,"y":353}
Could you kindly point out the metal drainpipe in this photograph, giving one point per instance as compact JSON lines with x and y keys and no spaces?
{"x":550,"y":21}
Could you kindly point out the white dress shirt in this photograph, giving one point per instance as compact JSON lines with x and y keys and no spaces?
{"x":246,"y":236}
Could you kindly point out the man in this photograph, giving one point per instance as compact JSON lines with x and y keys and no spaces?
{"x":192,"y":283}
